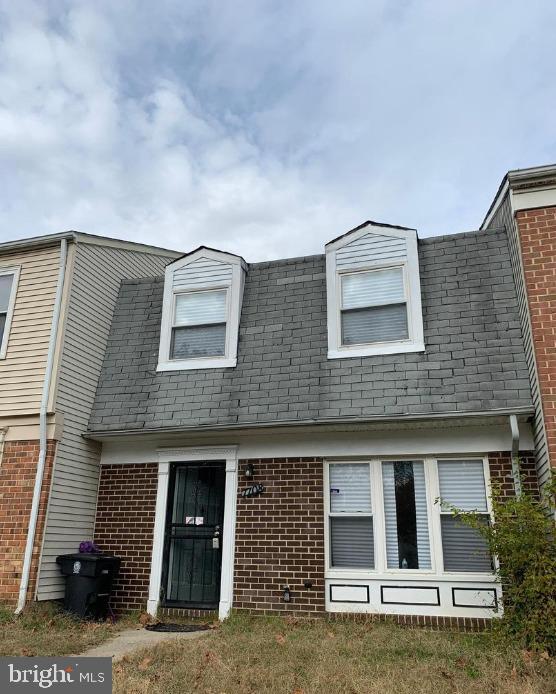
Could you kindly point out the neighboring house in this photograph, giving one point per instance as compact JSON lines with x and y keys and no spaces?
{"x":275,"y":435}
{"x":57,"y":296}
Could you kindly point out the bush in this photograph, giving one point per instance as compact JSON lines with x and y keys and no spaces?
{"x":523,"y":539}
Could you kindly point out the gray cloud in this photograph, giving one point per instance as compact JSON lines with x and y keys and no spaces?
{"x":267,"y":128}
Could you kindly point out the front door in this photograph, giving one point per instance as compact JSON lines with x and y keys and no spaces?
{"x":193,"y":541}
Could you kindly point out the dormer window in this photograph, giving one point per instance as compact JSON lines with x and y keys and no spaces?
{"x":199,"y":328}
{"x":373,"y":292}
{"x":201,"y":308}
{"x":374,"y":307}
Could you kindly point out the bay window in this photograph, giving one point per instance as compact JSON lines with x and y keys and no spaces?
{"x":383,"y":516}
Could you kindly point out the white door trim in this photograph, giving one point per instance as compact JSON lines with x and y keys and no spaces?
{"x":188,"y":455}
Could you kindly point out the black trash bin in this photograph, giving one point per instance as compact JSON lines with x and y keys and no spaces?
{"x":89,"y":579}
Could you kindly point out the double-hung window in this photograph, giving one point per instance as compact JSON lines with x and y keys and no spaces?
{"x":462,"y":485}
{"x":351,"y":518}
{"x":199,"y":324}
{"x":373,"y":307}
{"x":8,"y":287}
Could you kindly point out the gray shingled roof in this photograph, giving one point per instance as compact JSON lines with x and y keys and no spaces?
{"x":474,"y":359}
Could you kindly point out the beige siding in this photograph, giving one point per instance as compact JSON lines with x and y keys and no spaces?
{"x":22,"y":371}
{"x":97,"y":274}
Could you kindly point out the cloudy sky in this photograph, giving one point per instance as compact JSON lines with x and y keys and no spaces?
{"x":267,"y":128}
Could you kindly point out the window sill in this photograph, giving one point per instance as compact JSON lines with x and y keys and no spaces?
{"x":189,"y":364}
{"x":374,"y":350}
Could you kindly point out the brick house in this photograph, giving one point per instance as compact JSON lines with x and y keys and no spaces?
{"x":275,"y":435}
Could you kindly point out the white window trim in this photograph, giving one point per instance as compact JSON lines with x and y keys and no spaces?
{"x":412,"y":287}
{"x":381,"y":571}
{"x":233,"y":309}
{"x":15,"y":272}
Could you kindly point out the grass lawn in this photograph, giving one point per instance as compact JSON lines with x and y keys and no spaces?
{"x":43,"y":629}
{"x":273,"y":655}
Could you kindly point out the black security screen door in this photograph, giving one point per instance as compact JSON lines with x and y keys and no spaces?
{"x":193,"y":547}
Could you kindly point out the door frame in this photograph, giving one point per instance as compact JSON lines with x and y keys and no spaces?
{"x":166,"y":456}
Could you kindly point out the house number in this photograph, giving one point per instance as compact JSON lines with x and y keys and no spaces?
{"x":255,"y":490}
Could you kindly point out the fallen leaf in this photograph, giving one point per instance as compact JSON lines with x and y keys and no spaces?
{"x":298,"y":690}
{"x":330,"y":635}
{"x":462,"y":662}
{"x":144,"y":664}
{"x":545,"y":655}
{"x":280,"y":638}
{"x":514,"y":672}
{"x":144,"y":618}
{"x":26,"y":651}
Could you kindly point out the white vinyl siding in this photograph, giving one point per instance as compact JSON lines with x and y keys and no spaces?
{"x":462,"y":485}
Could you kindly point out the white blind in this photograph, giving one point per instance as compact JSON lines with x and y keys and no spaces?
{"x":377,"y":324}
{"x":351,"y":542}
{"x":363,"y":289}
{"x":197,"y":308}
{"x":198,"y":341}
{"x":5,"y":291}
{"x":350,"y":488}
{"x":391,"y":523}
{"x":462,"y":484}
{"x":463,"y":548}
{"x":421,"y":515}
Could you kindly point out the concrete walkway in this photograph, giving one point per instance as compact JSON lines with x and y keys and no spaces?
{"x":131,"y":640}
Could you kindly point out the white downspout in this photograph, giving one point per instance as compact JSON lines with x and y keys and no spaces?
{"x":515,"y":454}
{"x":26,"y":571}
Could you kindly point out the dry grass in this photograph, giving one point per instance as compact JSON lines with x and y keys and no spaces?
{"x":43,"y":629}
{"x":276,"y":656}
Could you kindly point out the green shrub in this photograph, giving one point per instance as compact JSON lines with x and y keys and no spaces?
{"x":522,"y":537}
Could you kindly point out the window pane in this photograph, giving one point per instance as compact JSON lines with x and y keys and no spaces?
{"x":5,"y":291}
{"x":405,"y":514}
{"x":200,"y":307}
{"x":364,"y":289}
{"x":380,"y":324}
{"x":350,"y":488}
{"x":203,"y":341}
{"x":464,"y":549}
{"x":462,"y":483}
{"x":351,"y":542}
{"x":2,"y":325}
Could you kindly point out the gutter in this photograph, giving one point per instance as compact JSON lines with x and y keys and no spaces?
{"x":517,"y":411}
{"x":28,"y":556}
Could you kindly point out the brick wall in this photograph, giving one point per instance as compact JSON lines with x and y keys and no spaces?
{"x":124,"y":526}
{"x":18,"y":468}
{"x":500,"y":466}
{"x":280,"y":537}
{"x":537,"y":235}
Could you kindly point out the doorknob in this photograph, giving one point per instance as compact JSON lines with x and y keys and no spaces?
{"x":216,"y":538}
